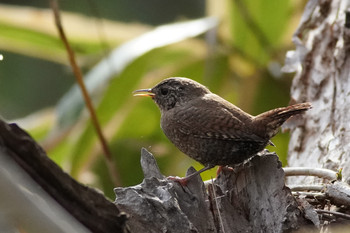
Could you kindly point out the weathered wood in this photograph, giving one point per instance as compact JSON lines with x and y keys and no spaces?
{"x":88,"y":206}
{"x":322,"y":65}
{"x":250,"y":198}
{"x":160,"y":205}
{"x":338,"y":193}
{"x":258,"y":189}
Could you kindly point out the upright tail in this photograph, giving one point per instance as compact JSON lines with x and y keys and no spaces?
{"x":273,"y":119}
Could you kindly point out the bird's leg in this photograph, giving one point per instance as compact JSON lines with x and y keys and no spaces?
{"x":220,"y":169}
{"x":183,"y":181}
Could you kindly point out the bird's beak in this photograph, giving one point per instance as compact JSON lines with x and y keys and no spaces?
{"x":148,"y":92}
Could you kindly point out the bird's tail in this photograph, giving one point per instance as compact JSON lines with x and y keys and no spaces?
{"x":274,"y":118}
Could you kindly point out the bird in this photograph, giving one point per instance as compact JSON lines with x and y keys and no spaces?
{"x":210,"y":129}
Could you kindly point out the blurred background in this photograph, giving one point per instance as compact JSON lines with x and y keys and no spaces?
{"x":236,"y":48}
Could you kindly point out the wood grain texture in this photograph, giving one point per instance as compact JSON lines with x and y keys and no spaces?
{"x":250,"y":198}
{"x":88,"y":206}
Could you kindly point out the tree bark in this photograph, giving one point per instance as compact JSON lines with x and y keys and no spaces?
{"x":250,"y":198}
{"x":322,"y":65}
{"x":85,"y":204}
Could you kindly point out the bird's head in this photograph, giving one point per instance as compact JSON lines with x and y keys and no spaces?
{"x":173,"y":92}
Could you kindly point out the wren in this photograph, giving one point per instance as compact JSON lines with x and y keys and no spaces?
{"x":210,"y":129}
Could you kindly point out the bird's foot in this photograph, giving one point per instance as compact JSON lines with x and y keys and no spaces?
{"x":183,"y":181}
{"x":220,"y":168}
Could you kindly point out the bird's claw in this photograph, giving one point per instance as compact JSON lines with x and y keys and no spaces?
{"x":220,"y":168}
{"x":183,"y":181}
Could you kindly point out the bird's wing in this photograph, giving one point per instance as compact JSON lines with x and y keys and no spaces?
{"x":211,"y":120}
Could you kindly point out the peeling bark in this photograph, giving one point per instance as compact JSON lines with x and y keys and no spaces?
{"x":85,"y":204}
{"x":322,"y":65}
{"x":250,"y":198}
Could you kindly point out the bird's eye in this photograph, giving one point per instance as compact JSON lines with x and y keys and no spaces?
{"x":164,"y":91}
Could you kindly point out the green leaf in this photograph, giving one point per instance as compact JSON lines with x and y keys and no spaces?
{"x":71,"y":104}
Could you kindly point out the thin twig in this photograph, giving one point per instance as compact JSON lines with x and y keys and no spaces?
{"x":317,"y":188}
{"x":338,"y":214}
{"x":79,"y":78}
{"x":207,"y":182}
{"x":316,"y":195}
{"x":304,"y":171}
{"x":310,"y":171}
{"x":215,"y":206}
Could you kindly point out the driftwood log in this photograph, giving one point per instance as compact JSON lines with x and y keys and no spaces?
{"x":85,"y":204}
{"x":250,"y":198}
{"x":321,"y":61}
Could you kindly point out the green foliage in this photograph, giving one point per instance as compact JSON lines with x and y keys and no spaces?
{"x":258,"y":27}
{"x":236,"y":68}
{"x":42,"y":45}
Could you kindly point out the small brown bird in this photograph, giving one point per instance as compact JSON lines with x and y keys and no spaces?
{"x":210,"y":129}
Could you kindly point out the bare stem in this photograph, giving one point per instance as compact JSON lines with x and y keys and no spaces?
{"x":310,"y":171}
{"x":337,"y":214}
{"x":79,"y":78}
{"x":317,"y":188}
{"x":315,"y":195}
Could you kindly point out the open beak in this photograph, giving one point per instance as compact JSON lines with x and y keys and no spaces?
{"x":147,"y":92}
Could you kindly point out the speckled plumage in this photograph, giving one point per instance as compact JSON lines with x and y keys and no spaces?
{"x":210,"y":129}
